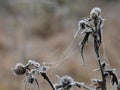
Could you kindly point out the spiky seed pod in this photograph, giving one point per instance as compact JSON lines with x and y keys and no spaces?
{"x":19,"y":69}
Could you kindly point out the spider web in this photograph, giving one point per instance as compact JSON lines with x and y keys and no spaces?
{"x":69,"y":51}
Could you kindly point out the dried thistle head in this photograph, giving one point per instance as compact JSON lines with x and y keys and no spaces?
{"x":113,"y":76}
{"x":65,"y":79}
{"x":65,"y":82}
{"x":97,"y":83}
{"x":86,"y":23}
{"x":43,"y":69}
{"x":19,"y":69}
{"x":33,"y":63}
{"x":31,"y":69}
{"x":82,"y":24}
{"x":108,"y":72}
{"x":95,"y":12}
{"x":104,"y":66}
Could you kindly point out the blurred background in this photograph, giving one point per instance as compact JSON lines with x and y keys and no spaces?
{"x":42,"y":30}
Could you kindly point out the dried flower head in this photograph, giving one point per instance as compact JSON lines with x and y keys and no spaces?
{"x":113,"y":76}
{"x":64,"y":82}
{"x":82,"y":24}
{"x":43,"y":69}
{"x":19,"y":69}
{"x":31,"y":69}
{"x":104,"y":66}
{"x":67,"y":82}
{"x":95,"y":12}
{"x":33,"y":63}
{"x":108,"y":72}
{"x":97,"y":83}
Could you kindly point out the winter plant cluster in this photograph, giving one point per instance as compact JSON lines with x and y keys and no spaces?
{"x":87,"y":27}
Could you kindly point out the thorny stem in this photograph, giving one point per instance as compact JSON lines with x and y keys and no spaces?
{"x":103,"y":87}
{"x":44,"y":75}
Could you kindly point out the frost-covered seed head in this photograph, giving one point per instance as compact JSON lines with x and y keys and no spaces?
{"x":42,"y":69}
{"x":19,"y":69}
{"x":33,"y":63}
{"x":95,"y":12}
{"x":66,"y":80}
{"x":97,"y":83}
{"x":82,"y":24}
{"x":104,"y":65}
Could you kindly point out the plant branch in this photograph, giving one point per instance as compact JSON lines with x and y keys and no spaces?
{"x":44,"y":75}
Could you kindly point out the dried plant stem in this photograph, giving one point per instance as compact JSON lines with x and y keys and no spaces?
{"x":86,"y":87}
{"x":103,"y":87}
{"x":44,"y":75}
